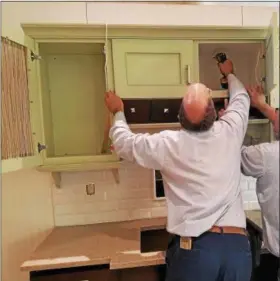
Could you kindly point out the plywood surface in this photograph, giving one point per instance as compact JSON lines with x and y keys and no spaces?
{"x":92,"y":245}
{"x":117,"y":244}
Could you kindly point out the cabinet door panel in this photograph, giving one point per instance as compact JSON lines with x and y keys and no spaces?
{"x":18,"y":163}
{"x":272,"y":61}
{"x":152,"y":68}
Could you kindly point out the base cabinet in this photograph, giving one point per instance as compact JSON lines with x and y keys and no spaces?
{"x":101,"y":273}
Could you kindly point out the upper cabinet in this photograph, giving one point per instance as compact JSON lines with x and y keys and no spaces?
{"x":73,"y":83}
{"x":152,"y":68}
{"x":69,"y":69}
{"x":272,"y":61}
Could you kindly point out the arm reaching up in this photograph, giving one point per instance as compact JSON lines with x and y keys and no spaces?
{"x":144,"y":149}
{"x":237,"y":112}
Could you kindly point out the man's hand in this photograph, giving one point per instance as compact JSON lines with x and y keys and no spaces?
{"x":257,"y":96}
{"x":226,"y":68}
{"x":113,"y":102}
{"x":222,"y":111}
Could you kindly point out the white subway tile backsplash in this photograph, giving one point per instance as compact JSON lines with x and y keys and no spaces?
{"x":129,"y":200}
{"x":132,"y":199}
{"x":98,"y":217}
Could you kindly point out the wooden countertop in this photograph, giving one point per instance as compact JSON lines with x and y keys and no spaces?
{"x":117,"y":244}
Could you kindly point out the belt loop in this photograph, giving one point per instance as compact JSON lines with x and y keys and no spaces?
{"x":222,"y":230}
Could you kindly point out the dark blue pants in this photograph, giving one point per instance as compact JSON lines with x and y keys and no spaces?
{"x":213,"y":257}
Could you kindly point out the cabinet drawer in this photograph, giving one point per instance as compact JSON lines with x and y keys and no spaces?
{"x":137,"y":111}
{"x":165,"y":110}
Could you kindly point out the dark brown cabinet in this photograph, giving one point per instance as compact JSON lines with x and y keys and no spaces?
{"x":165,"y":110}
{"x":137,"y":111}
{"x":253,"y":113}
{"x":144,"y":111}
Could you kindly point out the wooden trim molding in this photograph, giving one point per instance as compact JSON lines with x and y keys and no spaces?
{"x":85,"y":32}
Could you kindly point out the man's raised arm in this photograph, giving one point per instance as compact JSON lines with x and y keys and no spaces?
{"x":237,"y":111}
{"x":144,"y":149}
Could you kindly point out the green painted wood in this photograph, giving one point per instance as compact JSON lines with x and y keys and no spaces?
{"x":73,"y":83}
{"x":272,"y":61}
{"x":10,"y":165}
{"x":152,"y":68}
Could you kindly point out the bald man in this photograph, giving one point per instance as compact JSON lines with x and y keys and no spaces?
{"x":200,"y":166}
{"x":262,"y":162}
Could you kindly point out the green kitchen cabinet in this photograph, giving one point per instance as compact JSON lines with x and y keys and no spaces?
{"x":152,"y":68}
{"x":72,"y":88}
{"x":67,"y":81}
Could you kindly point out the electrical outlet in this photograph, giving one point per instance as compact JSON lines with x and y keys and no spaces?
{"x":90,"y":189}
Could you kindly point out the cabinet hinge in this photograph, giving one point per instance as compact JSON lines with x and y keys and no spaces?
{"x":41,"y":147}
{"x":35,"y":57}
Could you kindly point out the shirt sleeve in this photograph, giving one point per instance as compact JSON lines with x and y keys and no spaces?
{"x":252,"y":161}
{"x":144,"y":149}
{"x":237,"y":112}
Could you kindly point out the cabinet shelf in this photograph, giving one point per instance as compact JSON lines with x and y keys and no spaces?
{"x":57,"y":169}
{"x":164,"y":126}
{"x":80,"y":167}
{"x":174,"y":126}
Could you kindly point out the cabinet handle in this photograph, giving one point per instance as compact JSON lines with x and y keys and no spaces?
{"x":166,"y":110}
{"x":187,"y":73}
{"x":132,"y":110}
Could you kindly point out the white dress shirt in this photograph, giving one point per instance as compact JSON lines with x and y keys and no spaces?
{"x":200,"y":170}
{"x":262,"y":162}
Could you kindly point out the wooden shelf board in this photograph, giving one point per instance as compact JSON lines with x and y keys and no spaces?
{"x":166,"y":126}
{"x":80,"y":167}
{"x":258,"y":121}
{"x":57,"y":169}
{"x":216,"y":94}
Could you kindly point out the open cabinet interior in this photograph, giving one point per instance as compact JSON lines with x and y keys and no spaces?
{"x":73,"y":87}
{"x":247,"y":58}
{"x":250,"y":68}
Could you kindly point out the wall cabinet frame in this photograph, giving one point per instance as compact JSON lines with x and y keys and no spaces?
{"x":64,"y":145}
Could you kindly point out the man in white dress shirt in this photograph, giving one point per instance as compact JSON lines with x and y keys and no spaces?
{"x":200,"y":166}
{"x":262,"y":162}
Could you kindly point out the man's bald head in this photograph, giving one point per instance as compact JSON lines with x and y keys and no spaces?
{"x":197,"y":112}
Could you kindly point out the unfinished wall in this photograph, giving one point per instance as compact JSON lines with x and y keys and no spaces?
{"x":27,"y":217}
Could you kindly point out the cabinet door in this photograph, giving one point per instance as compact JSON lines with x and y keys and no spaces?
{"x":35,"y":98}
{"x":152,"y":68}
{"x":272,"y":61}
{"x":34,"y":159}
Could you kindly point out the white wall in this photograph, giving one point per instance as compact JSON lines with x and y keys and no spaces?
{"x":27,"y":217}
